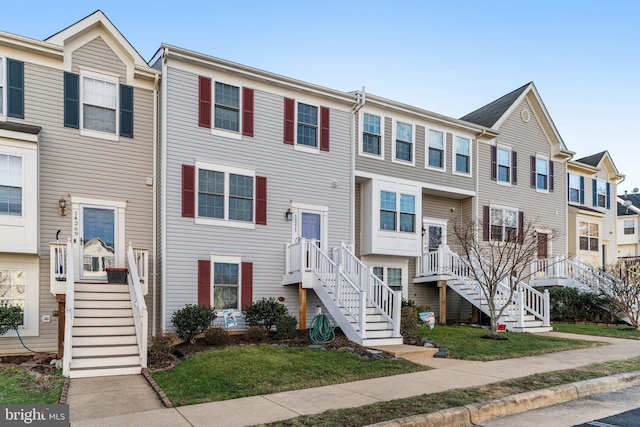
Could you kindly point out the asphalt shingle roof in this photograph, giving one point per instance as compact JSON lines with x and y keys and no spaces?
{"x":592,"y":160}
{"x":19,"y":127}
{"x":489,"y":114}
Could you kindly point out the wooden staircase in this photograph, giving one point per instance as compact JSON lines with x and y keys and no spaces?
{"x":104,"y":337}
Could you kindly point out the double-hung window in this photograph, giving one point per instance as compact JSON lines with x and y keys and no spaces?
{"x":575,"y":188}
{"x":404,"y":142}
{"x":371,"y":134}
{"x":588,"y":236}
{"x":99,"y":104}
{"x":463,"y":155}
{"x":504,"y":225}
{"x":307,"y":125}
{"x":436,"y":153}
{"x":629,"y":226}
{"x":504,"y":165}
{"x":394,"y":278}
{"x":12,"y":288}
{"x":542,"y":173}
{"x":601,"y":194}
{"x":225,"y":194}
{"x":390,"y":211}
{"x":11,"y":184}
{"x":226,"y":285}
{"x":227,"y":107}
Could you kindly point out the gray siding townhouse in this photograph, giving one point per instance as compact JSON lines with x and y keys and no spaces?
{"x":415,"y":172}
{"x":76,"y":176}
{"x":252,"y":165}
{"x":591,"y":196}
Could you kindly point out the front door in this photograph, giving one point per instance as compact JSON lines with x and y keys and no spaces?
{"x":542,"y":245}
{"x":98,"y":248}
{"x":311,"y":227}
{"x":435,"y":235}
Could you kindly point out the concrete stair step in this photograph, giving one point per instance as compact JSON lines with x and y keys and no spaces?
{"x":92,"y":331}
{"x":105,"y":350}
{"x":409,"y":352}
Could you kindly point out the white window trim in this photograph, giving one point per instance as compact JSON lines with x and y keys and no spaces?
{"x":225,"y":259}
{"x":588,"y":236}
{"x":633,"y":226}
{"x":5,"y":219}
{"x":413,"y":144}
{"x":546,"y":159}
{"x":385,"y":263}
{"x":444,"y":150}
{"x":108,"y":77}
{"x":504,"y":208}
{"x":510,"y":150}
{"x":226,"y":132}
{"x":31,"y":314}
{"x":454,"y":156}
{"x":397,"y":211}
{"x":569,"y":187}
{"x":361,"y":152}
{"x":226,"y":170}
{"x":302,"y":147}
{"x":3,"y":85}
{"x":598,"y":181}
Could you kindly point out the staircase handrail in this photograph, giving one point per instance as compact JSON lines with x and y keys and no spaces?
{"x":534,"y":302}
{"x":346,"y":293}
{"x":140,"y":315}
{"x":69,"y":311}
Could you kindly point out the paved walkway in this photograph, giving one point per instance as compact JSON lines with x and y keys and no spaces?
{"x":96,"y":401}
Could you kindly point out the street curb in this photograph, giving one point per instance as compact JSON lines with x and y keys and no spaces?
{"x":466,"y":415}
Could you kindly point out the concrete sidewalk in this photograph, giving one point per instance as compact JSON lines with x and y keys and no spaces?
{"x":96,"y":401}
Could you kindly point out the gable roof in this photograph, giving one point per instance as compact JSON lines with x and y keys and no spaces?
{"x":492,"y":112}
{"x":633,"y":209}
{"x":592,"y":160}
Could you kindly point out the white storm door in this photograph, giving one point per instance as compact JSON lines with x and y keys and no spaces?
{"x":98,"y":241}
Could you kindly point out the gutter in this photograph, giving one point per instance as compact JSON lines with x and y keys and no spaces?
{"x":163,"y":190}
{"x":155,"y":206}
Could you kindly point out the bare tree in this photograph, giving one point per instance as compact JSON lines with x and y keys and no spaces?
{"x":499,"y":253}
{"x":622,"y":289}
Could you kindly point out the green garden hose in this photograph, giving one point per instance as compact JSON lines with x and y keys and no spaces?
{"x":321,"y":331}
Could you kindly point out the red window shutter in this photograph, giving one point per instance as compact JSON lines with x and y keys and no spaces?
{"x":289,"y":120}
{"x":261,"y":200}
{"x":550,"y":176}
{"x":494,"y":163}
{"x":247,"y":111}
{"x":188,"y":191}
{"x":204,"y":282}
{"x":204,"y":101}
{"x":521,"y":227}
{"x":533,"y":172}
{"x":324,"y":128}
{"x":514,"y":168}
{"x":485,"y":223}
{"x":246,"y":290}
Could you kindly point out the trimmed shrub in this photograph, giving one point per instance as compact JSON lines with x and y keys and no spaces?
{"x":257,"y":334}
{"x":159,"y":350}
{"x":217,"y":336}
{"x":286,"y":327}
{"x":264,"y":313}
{"x":568,"y":304}
{"x":10,"y":318}
{"x":193,"y":320}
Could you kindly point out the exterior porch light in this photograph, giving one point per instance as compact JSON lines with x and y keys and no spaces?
{"x":62,"y":204}
{"x":288,"y":214}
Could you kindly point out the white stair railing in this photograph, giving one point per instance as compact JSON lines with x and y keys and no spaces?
{"x":140,"y":315}
{"x":69,"y":311}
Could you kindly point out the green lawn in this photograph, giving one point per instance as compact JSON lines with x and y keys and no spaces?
{"x":240,"y":371}
{"x":19,"y":386}
{"x":465,"y":342}
{"x":617,"y":331}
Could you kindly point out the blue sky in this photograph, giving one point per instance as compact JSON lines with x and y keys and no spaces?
{"x":449,"y":57}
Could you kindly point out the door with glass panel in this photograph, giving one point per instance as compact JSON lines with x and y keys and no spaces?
{"x":98,"y":246}
{"x":311,"y":229}
{"x":435,"y":236}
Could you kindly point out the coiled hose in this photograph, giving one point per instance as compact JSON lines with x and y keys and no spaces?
{"x":321,"y":331}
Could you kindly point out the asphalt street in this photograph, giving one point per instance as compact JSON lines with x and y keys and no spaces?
{"x":619,"y":408}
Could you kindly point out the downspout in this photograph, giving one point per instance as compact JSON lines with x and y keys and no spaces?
{"x":360,"y":101}
{"x":476,"y":214}
{"x":155,"y":206}
{"x":163,"y":189}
